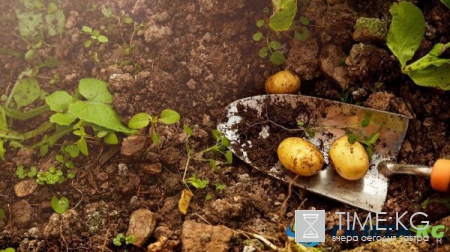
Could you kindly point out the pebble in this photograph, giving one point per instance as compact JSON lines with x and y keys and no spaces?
{"x":22,"y":214}
{"x":142,"y":224}
{"x":25,"y":187}
{"x":202,"y":237}
{"x":133,"y":145}
{"x":151,"y":169}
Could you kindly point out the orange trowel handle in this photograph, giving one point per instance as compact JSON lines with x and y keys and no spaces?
{"x":440,"y":175}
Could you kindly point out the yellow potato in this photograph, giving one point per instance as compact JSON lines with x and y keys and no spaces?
{"x":349,"y":160}
{"x":283,"y":82}
{"x":300,"y":156}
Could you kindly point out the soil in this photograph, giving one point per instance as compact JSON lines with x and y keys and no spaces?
{"x":196,"y":57}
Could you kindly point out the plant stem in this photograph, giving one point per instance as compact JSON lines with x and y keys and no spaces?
{"x":41,"y":129}
{"x":54,"y":137}
{"x":26,"y":115}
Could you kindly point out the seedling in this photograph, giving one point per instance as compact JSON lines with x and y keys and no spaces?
{"x":60,"y":205}
{"x":197,"y":182}
{"x":142,"y":120}
{"x":95,"y":36}
{"x":404,"y":38}
{"x":280,"y":24}
{"x":122,"y":239}
{"x":219,"y":149}
{"x":9,"y":249}
{"x":220,"y":187}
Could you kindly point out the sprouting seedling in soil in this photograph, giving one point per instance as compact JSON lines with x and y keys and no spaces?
{"x":280,"y":24}
{"x":60,"y":205}
{"x":95,"y":37}
{"x":218,"y":149}
{"x":369,"y":142}
{"x":122,"y":239}
{"x":197,"y":182}
{"x":142,"y":120}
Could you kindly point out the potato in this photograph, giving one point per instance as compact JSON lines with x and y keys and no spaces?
{"x":300,"y":156}
{"x":349,"y":160}
{"x":283,"y":82}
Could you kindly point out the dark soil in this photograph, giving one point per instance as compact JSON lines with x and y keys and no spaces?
{"x":196,"y":57}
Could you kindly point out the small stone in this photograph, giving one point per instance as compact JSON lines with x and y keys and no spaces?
{"x":25,"y":187}
{"x":22,"y":214}
{"x":332,"y":63}
{"x":25,"y":157}
{"x":119,"y":82}
{"x":133,"y":145}
{"x":379,"y":100}
{"x":191,"y":84}
{"x":142,"y":224}
{"x":151,"y":169}
{"x":202,"y":237}
{"x":57,"y":223}
{"x":102,"y":176}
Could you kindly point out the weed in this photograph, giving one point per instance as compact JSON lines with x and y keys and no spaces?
{"x":197,"y":182}
{"x":280,"y":23}
{"x":95,"y":37}
{"x":404,"y":38}
{"x":142,"y":120}
{"x":9,"y":249}
{"x":122,"y":239}
{"x":220,"y":187}
{"x":60,"y":205}
{"x":219,"y":149}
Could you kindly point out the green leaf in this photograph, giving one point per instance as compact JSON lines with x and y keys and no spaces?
{"x":187,"y":129}
{"x":70,"y":175}
{"x":99,"y":113}
{"x":284,"y":14}
{"x":94,"y":90}
{"x":27,"y":90}
{"x":225,"y":142}
{"x":275,"y":45}
{"x":277,"y":58}
{"x":72,"y":150}
{"x":260,"y":23}
{"x":430,"y":59}
{"x":406,"y":31}
{"x":29,"y":54}
{"x":59,"y":158}
{"x":228,"y":156}
{"x":60,"y":205}
{"x":169,"y":116}
{"x":55,"y":22}
{"x":366,"y":120}
{"x":88,"y":43}
{"x":155,"y":138}
{"x":352,"y":138}
{"x":220,"y":187}
{"x":432,"y":77}
{"x":2,"y":214}
{"x":2,"y":150}
{"x":257,"y":36}
{"x":43,"y":150}
{"x":87,"y":29}
{"x":111,"y":139}
{"x":304,"y":20}
{"x":301,"y":34}
{"x":69,"y":164}
{"x":101,"y":134}
{"x":446,"y":3}
{"x":213,"y":164}
{"x":102,"y":39}
{"x":263,"y":52}
{"x":59,"y":101}
{"x":139,"y":121}
{"x":63,"y":118}
{"x":82,"y":146}
{"x":216,"y":135}
{"x":128,"y":20}
{"x":29,"y":24}
{"x":107,"y":12}
{"x":197,"y":183}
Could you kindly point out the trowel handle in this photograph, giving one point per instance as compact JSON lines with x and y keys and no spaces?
{"x":440,"y":175}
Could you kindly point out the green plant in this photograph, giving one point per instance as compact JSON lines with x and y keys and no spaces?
{"x":37,"y":19}
{"x":122,"y":239}
{"x":404,"y":38}
{"x":96,"y":37}
{"x":9,"y":249}
{"x":218,"y":149}
{"x":280,"y":23}
{"x":60,"y":205}
{"x":2,"y":214}
{"x":446,"y":3}
{"x":197,"y":182}
{"x":142,"y":120}
{"x":88,"y":107}
{"x":220,"y":187}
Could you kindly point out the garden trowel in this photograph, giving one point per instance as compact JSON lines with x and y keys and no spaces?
{"x":330,"y":120}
